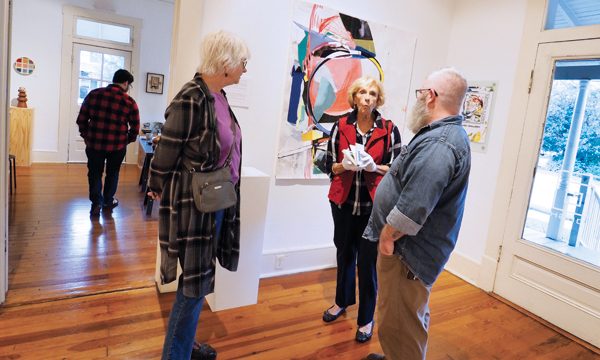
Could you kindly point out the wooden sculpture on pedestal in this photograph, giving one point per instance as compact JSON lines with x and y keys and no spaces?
{"x":22,"y":99}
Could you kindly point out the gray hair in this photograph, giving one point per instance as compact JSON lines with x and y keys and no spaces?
{"x":363,"y":82}
{"x":451,"y":86}
{"x":220,"y":51}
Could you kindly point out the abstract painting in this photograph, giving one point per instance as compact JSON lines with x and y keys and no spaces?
{"x":328,"y":51}
{"x":477,"y":108}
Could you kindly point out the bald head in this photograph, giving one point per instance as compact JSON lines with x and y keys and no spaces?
{"x":451,"y":86}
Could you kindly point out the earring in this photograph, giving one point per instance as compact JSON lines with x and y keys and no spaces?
{"x":225,"y":74}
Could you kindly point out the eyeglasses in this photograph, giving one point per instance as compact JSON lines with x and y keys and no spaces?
{"x":418,"y":92}
{"x":245,"y":63}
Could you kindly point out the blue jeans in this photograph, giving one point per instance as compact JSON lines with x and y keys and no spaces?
{"x":95,"y":166}
{"x":183,"y":320}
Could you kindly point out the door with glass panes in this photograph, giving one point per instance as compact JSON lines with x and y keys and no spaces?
{"x":93,"y":67}
{"x":550,"y":260}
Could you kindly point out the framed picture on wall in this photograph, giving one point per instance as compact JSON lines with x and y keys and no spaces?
{"x":154,"y":83}
{"x":477,"y":111}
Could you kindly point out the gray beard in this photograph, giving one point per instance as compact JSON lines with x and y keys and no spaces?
{"x":418,"y":116}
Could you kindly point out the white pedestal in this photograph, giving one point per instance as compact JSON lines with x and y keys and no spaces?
{"x":239,"y":288}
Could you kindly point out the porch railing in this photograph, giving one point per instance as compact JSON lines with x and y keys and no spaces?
{"x":589,"y":236}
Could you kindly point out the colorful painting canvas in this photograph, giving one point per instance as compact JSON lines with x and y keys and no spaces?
{"x":328,"y":51}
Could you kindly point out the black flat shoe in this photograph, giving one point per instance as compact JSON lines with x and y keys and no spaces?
{"x":329,"y":317}
{"x":374,"y":356}
{"x":362,"y":337}
{"x":204,"y":352}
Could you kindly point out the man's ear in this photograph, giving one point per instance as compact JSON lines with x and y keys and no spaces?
{"x":430,"y":99}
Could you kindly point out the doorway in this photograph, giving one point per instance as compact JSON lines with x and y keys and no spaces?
{"x":5,"y":19}
{"x":550,"y":264}
{"x":93,"y":67}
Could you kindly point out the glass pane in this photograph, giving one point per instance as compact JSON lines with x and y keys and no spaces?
{"x":571,"y":13}
{"x":85,"y":86}
{"x":103,"y":31}
{"x":90,"y":64}
{"x":112,"y":63}
{"x":564,"y":207}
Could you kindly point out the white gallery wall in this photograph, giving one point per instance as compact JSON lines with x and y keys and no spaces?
{"x":299,"y":223}
{"x":37,"y":34}
{"x":485,"y":40}
{"x":480,"y":37}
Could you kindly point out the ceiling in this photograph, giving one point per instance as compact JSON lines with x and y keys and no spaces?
{"x":572,"y":13}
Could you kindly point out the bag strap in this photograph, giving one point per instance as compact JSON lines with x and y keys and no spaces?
{"x":233,"y":129}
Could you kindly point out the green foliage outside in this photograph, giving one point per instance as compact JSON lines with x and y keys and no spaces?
{"x":558,"y":122}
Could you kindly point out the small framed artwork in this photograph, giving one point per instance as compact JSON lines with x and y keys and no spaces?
{"x":154,"y":83}
{"x":477,"y":111}
{"x":24,"y":66}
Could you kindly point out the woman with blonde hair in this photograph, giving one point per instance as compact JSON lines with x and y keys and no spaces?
{"x":200,"y":134}
{"x":361,"y":148}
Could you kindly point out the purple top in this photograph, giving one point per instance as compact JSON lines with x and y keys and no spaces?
{"x":224,"y":118}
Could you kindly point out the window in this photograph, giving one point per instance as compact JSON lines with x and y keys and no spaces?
{"x":564,"y":208}
{"x":96,"y":70}
{"x":571,"y":13}
{"x":102,"y":31}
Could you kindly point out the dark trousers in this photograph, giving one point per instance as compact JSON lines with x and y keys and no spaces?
{"x":349,"y":242}
{"x":95,"y":164}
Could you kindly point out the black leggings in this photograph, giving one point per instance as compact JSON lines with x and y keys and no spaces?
{"x":349,"y":243}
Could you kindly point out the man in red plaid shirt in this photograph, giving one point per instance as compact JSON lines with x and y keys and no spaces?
{"x":108,"y":120}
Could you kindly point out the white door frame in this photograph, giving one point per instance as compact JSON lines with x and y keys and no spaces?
{"x":533,"y":35}
{"x":4,"y":125}
{"x":70,"y":14}
{"x":559,"y":288}
{"x":500,"y":224}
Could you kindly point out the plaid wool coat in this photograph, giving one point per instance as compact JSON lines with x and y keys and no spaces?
{"x":184,"y":233}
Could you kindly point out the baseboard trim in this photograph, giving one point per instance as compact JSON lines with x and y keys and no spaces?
{"x":45,"y":156}
{"x":297,"y":261}
{"x":464,"y":267}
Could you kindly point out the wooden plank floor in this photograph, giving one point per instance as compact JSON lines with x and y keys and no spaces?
{"x":83,"y":289}
{"x":58,"y":251}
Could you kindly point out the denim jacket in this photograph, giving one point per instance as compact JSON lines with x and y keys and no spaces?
{"x":423,"y":196}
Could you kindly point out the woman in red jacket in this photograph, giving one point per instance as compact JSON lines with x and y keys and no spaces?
{"x":361,"y":148}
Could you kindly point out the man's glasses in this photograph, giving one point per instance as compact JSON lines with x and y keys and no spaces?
{"x":418,"y":92}
{"x":245,"y":63}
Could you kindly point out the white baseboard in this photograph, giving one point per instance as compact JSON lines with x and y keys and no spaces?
{"x":487,"y":273}
{"x":297,"y":261}
{"x":309,"y":259}
{"x":464,"y":267}
{"x":45,"y":156}
{"x":52,"y":156}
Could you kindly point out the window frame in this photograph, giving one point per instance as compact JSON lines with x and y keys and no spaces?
{"x":110,"y":43}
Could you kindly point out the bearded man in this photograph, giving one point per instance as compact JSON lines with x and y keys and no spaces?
{"x":417,"y":213}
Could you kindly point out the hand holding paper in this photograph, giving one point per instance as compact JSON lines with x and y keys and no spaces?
{"x":349,"y":163}
{"x":366,"y":162}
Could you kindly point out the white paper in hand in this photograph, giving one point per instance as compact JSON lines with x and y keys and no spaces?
{"x":357,"y":149}
{"x":348,"y":155}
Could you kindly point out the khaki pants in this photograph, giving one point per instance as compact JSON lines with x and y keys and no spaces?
{"x":403,"y":311}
